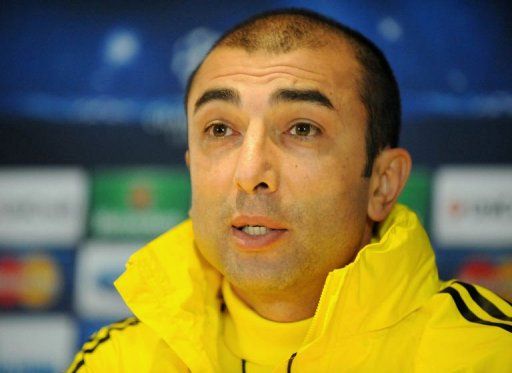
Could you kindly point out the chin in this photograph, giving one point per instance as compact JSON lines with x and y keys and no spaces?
{"x":255,"y":277}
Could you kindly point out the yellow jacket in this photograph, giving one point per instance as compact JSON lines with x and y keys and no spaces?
{"x":385,"y":312}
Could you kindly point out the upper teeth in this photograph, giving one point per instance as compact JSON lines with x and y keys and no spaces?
{"x":255,"y":230}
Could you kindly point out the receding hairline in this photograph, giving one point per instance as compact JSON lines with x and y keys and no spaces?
{"x":281,"y":33}
{"x":322,"y":36}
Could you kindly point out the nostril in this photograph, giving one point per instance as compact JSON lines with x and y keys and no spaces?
{"x":261,"y":185}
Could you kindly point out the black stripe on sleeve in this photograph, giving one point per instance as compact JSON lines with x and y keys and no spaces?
{"x":115,"y":326}
{"x":78,"y":366}
{"x":484,"y":303}
{"x":107,"y":336}
{"x":466,"y":312}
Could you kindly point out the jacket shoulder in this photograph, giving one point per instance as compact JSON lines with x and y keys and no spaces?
{"x":467,"y":327}
{"x":114,"y":347}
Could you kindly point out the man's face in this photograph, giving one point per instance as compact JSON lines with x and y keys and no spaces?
{"x":276,"y":156}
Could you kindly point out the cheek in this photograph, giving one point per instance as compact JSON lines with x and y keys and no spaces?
{"x":210,"y":174}
{"x":207,"y":210}
{"x":331,"y":190}
{"x":211,"y":182}
{"x":319,"y":176}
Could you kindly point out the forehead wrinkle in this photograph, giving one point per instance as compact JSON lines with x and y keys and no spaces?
{"x":261,"y":72}
{"x":283,"y":69}
{"x":293,"y":81}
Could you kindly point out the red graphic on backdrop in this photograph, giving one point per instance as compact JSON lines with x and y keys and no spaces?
{"x":28,"y":281}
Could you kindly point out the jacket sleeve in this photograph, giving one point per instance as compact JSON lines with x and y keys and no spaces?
{"x":470,"y":330}
{"x":126,"y":346}
{"x":99,"y":353}
{"x":497,"y":360}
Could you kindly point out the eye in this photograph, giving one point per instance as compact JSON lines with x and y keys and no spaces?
{"x":219,"y":130}
{"x":304,"y":129}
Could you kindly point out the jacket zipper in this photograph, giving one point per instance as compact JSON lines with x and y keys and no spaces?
{"x":288,"y":369}
{"x":290,"y":362}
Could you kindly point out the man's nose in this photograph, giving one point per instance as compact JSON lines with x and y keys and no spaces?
{"x":255,"y":171}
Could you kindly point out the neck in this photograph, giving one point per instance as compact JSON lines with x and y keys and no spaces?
{"x":288,"y":307}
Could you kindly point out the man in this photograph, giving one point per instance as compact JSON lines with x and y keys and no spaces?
{"x":296,"y":257}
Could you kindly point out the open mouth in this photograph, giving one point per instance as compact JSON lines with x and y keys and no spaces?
{"x":255,"y":230}
{"x":256,"y":236}
{"x":257,"y":233}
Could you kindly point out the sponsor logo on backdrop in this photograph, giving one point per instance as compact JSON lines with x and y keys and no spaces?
{"x":140,"y":197}
{"x":98,"y":265}
{"x":42,"y":206}
{"x":493,"y":274}
{"x":36,"y":344}
{"x":149,"y":224}
{"x":473,"y":207}
{"x":29,"y":282}
{"x":138,"y":204}
{"x":497,"y":207}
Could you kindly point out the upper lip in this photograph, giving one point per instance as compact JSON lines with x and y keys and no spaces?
{"x":256,"y":220}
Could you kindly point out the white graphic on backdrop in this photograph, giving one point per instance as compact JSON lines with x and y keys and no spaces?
{"x":473,"y":207}
{"x":390,"y":29}
{"x":189,"y":50}
{"x":36,"y":343}
{"x":98,"y":265}
{"x":43,"y":206}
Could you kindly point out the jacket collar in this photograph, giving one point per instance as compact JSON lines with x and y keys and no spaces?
{"x":389,"y":278}
{"x":175,"y":292}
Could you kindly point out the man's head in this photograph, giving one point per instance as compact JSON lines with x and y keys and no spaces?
{"x":298,"y":28}
{"x":293,"y":126}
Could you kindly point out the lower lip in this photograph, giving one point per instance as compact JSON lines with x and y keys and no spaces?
{"x":257,"y":242}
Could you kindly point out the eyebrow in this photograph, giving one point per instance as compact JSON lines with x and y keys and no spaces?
{"x":220,"y":94}
{"x":282,"y":95}
{"x":302,"y":95}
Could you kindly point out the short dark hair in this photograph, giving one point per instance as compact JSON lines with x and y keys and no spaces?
{"x":284,"y":30}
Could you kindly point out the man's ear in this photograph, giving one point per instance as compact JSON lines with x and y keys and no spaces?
{"x":390,"y":172}
{"x":187,"y":159}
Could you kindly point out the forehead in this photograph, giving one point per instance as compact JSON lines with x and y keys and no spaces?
{"x":332,"y":69}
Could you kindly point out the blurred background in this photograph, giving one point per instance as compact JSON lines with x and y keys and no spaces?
{"x":92,"y":137}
